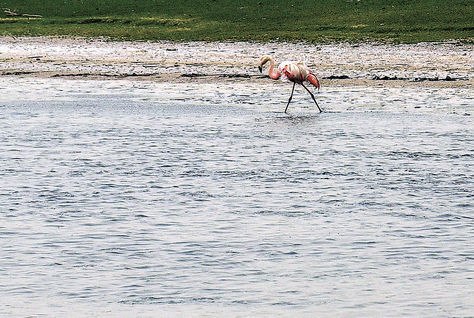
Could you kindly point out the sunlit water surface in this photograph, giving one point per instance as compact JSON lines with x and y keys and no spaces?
{"x":139,"y":199}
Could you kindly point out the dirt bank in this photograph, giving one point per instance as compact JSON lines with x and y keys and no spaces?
{"x":425,"y":64}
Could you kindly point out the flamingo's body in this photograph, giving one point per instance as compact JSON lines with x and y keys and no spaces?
{"x":296,"y":72}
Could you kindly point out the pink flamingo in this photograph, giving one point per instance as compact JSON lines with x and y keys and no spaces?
{"x":297,"y":72}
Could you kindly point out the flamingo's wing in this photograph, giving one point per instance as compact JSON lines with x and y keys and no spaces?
{"x":309,"y":75}
{"x":292,"y":71}
{"x":313,"y":79}
{"x":304,"y":70}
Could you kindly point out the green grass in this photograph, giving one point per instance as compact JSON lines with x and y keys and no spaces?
{"x":406,"y":21}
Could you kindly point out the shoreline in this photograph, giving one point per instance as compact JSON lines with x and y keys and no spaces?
{"x":388,"y":65}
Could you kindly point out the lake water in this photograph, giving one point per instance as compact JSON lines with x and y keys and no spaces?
{"x":140,"y":199}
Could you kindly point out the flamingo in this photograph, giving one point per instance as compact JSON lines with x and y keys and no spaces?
{"x":296,"y":72}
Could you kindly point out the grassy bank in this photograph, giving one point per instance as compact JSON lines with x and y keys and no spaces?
{"x":406,"y":21}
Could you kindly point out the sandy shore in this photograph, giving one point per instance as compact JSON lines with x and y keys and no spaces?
{"x":425,"y":64}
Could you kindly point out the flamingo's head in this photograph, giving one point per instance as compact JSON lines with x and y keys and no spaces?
{"x":263,"y":60}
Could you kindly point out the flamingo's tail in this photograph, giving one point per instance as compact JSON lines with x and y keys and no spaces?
{"x":314,"y":81}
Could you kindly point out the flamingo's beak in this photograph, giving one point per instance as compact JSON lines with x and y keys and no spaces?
{"x":260,"y":68}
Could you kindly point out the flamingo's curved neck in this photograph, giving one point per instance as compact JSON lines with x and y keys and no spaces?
{"x":273,"y":73}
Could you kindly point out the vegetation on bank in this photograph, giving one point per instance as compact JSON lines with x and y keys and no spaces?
{"x":406,"y":21}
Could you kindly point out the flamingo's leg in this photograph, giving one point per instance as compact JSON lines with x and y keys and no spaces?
{"x":312,"y":96}
{"x":291,"y":96}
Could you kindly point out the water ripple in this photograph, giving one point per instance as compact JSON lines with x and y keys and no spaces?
{"x":175,"y":207}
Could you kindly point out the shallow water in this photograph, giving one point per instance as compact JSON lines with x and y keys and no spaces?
{"x":204,"y":200}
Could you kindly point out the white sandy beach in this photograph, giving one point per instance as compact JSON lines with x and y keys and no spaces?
{"x":425,"y":64}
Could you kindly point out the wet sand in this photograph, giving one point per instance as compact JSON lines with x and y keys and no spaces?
{"x":424,"y":64}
